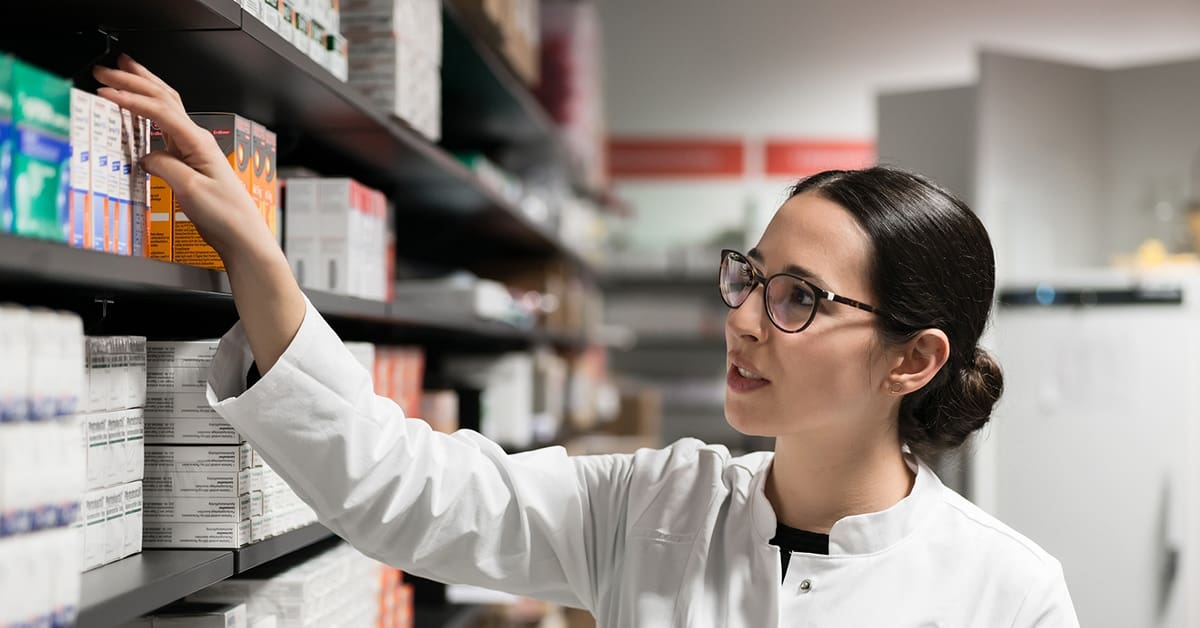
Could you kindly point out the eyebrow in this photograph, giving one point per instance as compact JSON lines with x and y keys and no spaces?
{"x":792,"y":269}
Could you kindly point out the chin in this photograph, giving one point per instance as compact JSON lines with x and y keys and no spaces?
{"x":739,"y":417}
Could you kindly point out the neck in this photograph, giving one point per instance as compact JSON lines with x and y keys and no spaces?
{"x":815,"y":480}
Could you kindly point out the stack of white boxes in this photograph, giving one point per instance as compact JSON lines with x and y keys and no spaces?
{"x":339,"y":587}
{"x":396,"y":58}
{"x":205,"y":487}
{"x":41,"y":467}
{"x":113,"y":435}
{"x":338,"y":237}
{"x":194,"y":616}
{"x":312,"y":26}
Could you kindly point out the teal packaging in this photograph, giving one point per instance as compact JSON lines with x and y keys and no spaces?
{"x":40,"y":175}
{"x":6,"y":135}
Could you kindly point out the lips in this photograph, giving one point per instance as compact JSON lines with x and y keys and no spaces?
{"x":743,"y":377}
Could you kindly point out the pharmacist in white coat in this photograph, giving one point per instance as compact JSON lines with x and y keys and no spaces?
{"x":852,"y":339}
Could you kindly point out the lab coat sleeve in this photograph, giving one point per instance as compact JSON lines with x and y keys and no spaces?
{"x":1048,"y":603}
{"x":454,"y":508}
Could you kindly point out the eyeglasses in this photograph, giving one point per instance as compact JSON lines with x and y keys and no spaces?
{"x":790,"y":300}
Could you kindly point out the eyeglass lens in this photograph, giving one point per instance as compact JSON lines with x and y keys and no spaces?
{"x":790,"y":301}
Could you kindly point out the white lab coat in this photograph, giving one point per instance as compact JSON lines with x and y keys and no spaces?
{"x":671,"y":537}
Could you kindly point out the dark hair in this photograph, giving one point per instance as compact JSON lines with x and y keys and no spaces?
{"x":932,"y":267}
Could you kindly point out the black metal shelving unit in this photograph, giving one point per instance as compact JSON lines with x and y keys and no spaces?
{"x":121,"y":591}
{"x":117,"y":593}
{"x":119,"y":288}
{"x":445,"y":214}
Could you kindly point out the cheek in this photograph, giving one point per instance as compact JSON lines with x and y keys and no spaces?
{"x":825,"y":372}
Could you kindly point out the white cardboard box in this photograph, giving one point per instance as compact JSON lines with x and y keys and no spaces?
{"x":227,"y":485}
{"x":126,"y":442}
{"x":114,"y":524}
{"x":172,"y":509}
{"x":173,"y":379}
{"x":198,"y":431}
{"x":201,"y":616}
{"x":99,"y":454}
{"x":180,"y":353}
{"x":302,"y":233}
{"x":92,"y":512}
{"x":196,"y":535}
{"x":198,"y":458}
{"x":133,"y":518}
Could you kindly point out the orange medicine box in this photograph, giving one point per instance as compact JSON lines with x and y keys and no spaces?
{"x":233,"y":135}
{"x":265,"y":188}
{"x":162,"y":211}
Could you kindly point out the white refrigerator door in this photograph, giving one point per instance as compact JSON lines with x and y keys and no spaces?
{"x":1095,"y":455}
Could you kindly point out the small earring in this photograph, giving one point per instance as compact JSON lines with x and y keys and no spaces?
{"x":895,"y":388}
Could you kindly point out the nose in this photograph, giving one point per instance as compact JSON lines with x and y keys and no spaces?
{"x":748,"y":321}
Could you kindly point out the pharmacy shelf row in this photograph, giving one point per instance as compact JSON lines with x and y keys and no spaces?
{"x":446,"y":214}
{"x":486,"y":103}
{"x":142,"y":296}
{"x":128,"y":588}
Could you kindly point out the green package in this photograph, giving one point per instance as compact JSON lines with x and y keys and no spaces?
{"x":40,"y":179}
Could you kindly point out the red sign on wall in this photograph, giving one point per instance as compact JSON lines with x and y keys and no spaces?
{"x":667,"y":158}
{"x":805,"y":157}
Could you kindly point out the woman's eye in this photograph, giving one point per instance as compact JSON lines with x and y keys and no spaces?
{"x":800,"y":296}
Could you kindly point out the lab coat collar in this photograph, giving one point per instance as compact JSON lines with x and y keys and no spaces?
{"x":858,"y":534}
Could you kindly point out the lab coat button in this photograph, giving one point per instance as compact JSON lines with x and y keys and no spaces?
{"x":806,"y":586}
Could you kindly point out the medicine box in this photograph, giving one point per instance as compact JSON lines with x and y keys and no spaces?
{"x":197,"y":616}
{"x":139,"y":185}
{"x":176,"y":509}
{"x":81,"y":140}
{"x":265,"y":183}
{"x":126,"y":222}
{"x":175,"y":354}
{"x":128,"y":445}
{"x":42,"y":153}
{"x":178,"y":379}
{"x":100,"y":469}
{"x":301,"y":238}
{"x":209,"y":429}
{"x":228,"y":485}
{"x":98,"y":169}
{"x":114,"y":524}
{"x":161,"y":213}
{"x":233,"y":135}
{"x":117,"y":212}
{"x":197,"y":458}
{"x":133,"y":519}
{"x":119,"y":187}
{"x":93,"y":515}
{"x":114,"y":443}
{"x":196,"y":535}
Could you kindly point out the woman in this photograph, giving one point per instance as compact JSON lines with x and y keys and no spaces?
{"x":852,"y":339}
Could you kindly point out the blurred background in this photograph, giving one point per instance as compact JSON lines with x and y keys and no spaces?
{"x":512,"y":210}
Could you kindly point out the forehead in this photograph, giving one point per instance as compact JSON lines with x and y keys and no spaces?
{"x":819,"y":235}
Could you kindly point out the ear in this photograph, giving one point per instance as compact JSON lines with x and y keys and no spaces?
{"x":917,"y":362}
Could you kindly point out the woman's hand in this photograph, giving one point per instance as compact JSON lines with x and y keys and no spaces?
{"x":207,"y":188}
{"x":268,"y":300}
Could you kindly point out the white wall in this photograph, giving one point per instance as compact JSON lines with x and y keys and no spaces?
{"x":1040,"y":164}
{"x":812,"y":68}
{"x":1153,"y":132}
{"x":931,"y":132}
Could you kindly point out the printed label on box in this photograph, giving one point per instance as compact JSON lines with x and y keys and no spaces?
{"x":176,"y":509}
{"x":197,"y":459}
{"x":228,"y":485}
{"x":196,"y":535}
{"x":195,"y":431}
